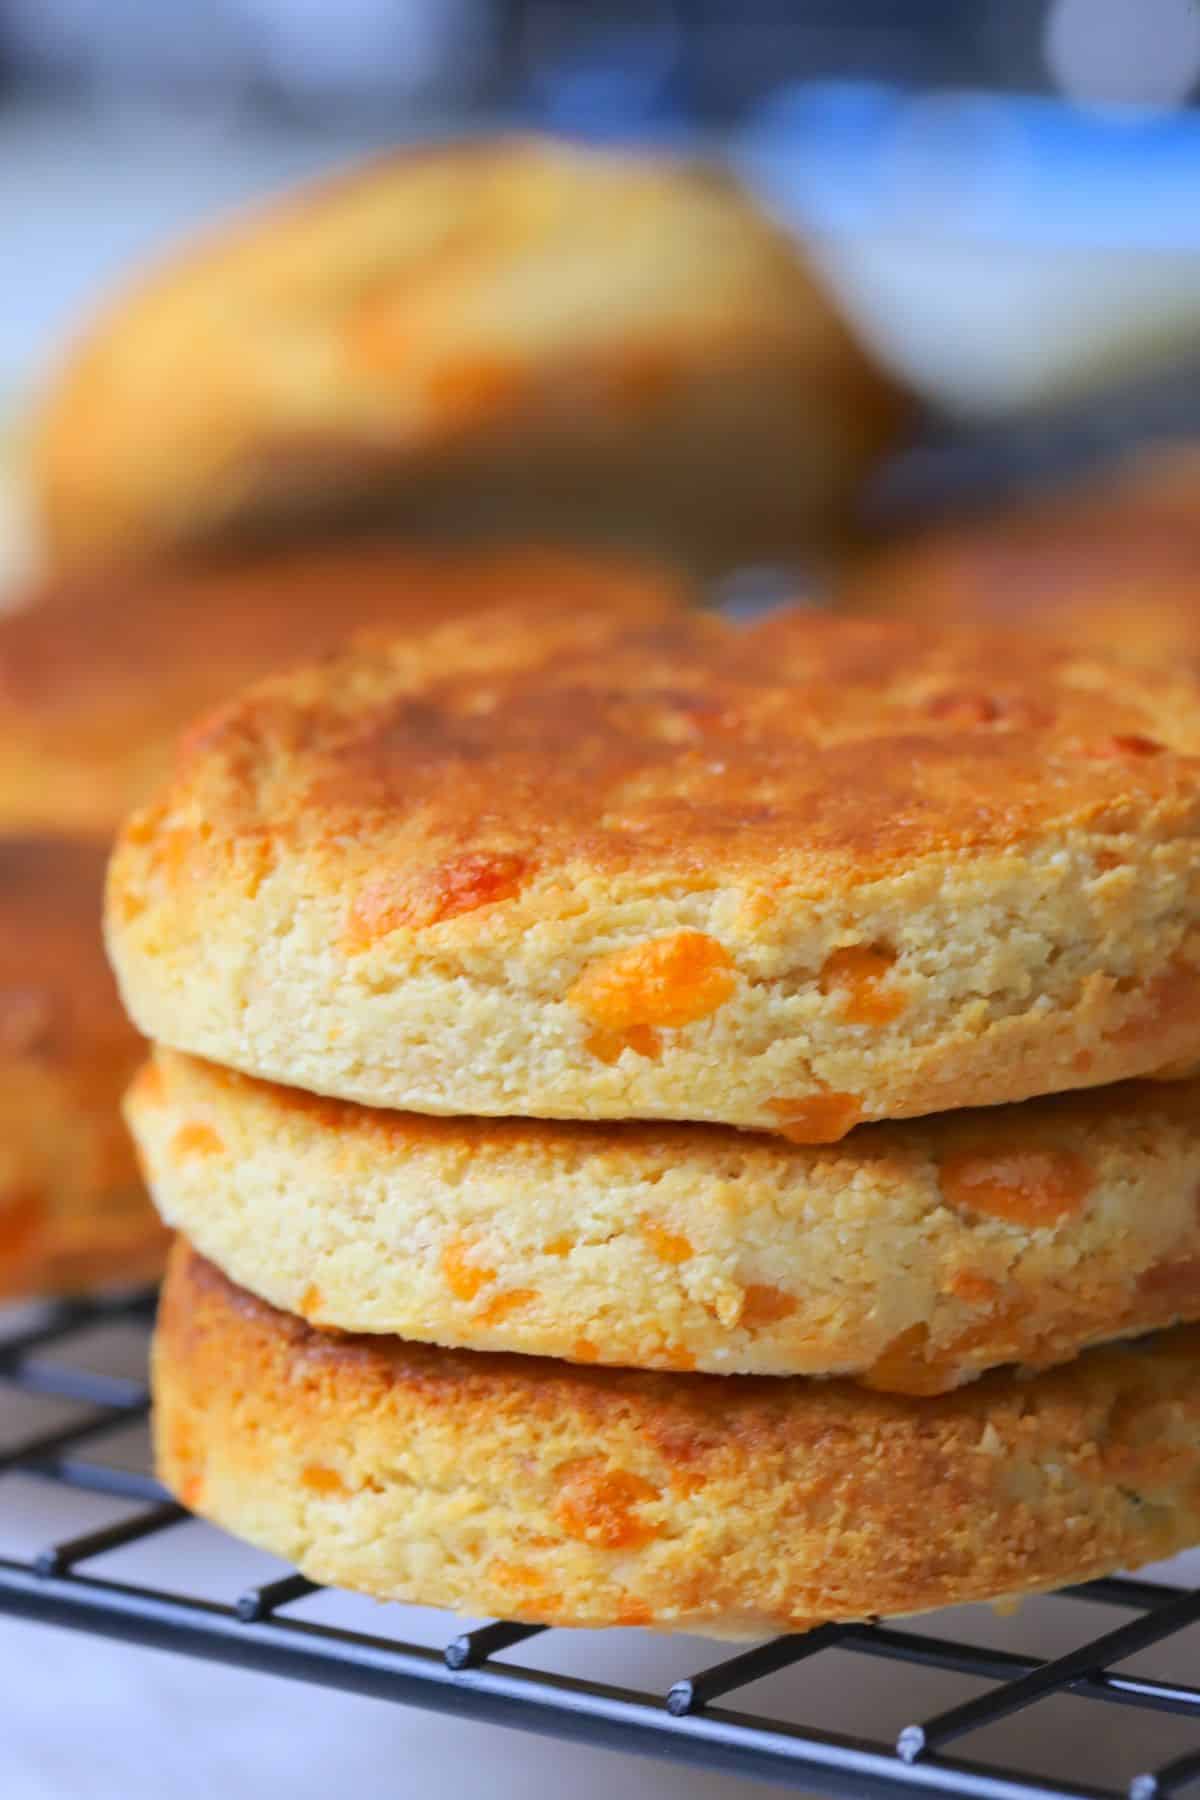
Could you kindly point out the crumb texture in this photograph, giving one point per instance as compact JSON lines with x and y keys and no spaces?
{"x":913,"y":1256}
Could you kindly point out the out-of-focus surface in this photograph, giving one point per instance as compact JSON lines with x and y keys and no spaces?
{"x":18,"y":552}
{"x":1109,"y":558}
{"x":102,"y":670}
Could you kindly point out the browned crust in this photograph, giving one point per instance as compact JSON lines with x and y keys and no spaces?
{"x":534,"y":1490}
{"x":804,"y":746}
{"x":913,"y":1255}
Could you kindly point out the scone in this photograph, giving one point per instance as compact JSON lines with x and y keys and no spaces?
{"x":913,"y":1256}
{"x":73,"y":1212}
{"x":1110,"y":561}
{"x":794,"y":876}
{"x":98,"y":672}
{"x":736,"y":1507}
{"x":506,"y":335}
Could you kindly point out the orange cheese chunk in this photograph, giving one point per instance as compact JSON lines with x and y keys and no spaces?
{"x":903,"y":1368}
{"x":196,"y":1139}
{"x":818,"y":1119}
{"x":765,"y":1305}
{"x":322,"y":1481}
{"x":596,"y":1505}
{"x":859,"y":974}
{"x":608,"y":1046}
{"x":462,"y":885}
{"x":149,"y":1086}
{"x":662,"y":982}
{"x":506,"y":1303}
{"x":463,"y":1277}
{"x":1028,"y":1187}
{"x":519,"y":1577}
{"x":668,"y":1246}
{"x":972,"y":1288}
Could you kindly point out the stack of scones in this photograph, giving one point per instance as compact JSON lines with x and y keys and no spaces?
{"x":679,"y":1124}
{"x":449,"y":377}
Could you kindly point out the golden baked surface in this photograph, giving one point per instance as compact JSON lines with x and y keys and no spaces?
{"x":502,"y":334}
{"x":792,"y":876}
{"x":72,"y":1209}
{"x":509,"y":1487}
{"x":99,"y":672}
{"x":1111,"y":562}
{"x":913,"y":1255}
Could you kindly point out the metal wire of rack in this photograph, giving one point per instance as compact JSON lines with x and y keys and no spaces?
{"x":688,"y":1721}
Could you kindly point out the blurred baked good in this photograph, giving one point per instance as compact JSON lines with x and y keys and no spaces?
{"x":506,"y":335}
{"x":740,"y":1506}
{"x":73,"y":1213}
{"x":1112,"y":561}
{"x":914,"y":1255}
{"x":792,"y":876}
{"x":99,"y":672}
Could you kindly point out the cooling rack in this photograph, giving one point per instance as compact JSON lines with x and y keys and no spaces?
{"x":690,"y":1719}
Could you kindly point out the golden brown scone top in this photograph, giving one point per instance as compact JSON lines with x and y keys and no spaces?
{"x":306,"y":356}
{"x":99,"y":673}
{"x":1113,"y":561}
{"x":448,"y":773}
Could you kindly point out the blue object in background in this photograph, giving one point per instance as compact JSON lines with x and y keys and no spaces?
{"x":851,"y":157}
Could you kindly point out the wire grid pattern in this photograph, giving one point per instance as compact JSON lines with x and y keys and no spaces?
{"x":688,"y":1720}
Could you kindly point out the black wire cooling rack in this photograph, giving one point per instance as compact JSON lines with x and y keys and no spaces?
{"x":46,"y":1361}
